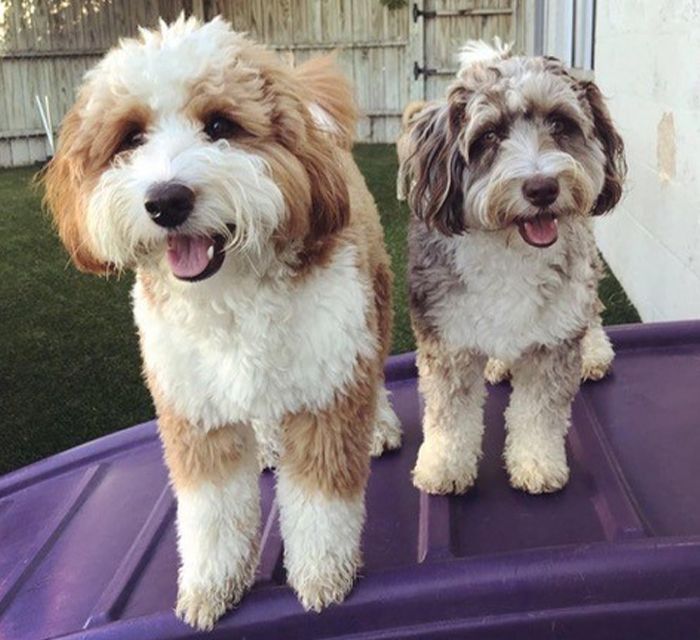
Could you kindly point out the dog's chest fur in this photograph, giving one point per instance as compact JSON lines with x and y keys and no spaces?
{"x":491,"y":292}
{"x":254,"y":352}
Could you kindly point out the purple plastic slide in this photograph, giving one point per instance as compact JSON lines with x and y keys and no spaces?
{"x":87,"y":547}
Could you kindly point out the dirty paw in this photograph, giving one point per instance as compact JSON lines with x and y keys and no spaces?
{"x":536,"y":476}
{"x":328,"y":585}
{"x":594,"y":369}
{"x":201,"y":605}
{"x":442,"y":469}
{"x":201,"y":608}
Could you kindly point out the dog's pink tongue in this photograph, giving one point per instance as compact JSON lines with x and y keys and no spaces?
{"x":188,"y":255}
{"x":540,"y":231}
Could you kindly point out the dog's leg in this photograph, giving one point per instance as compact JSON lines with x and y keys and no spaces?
{"x":320,"y":488}
{"x":386,"y":434}
{"x":453,"y":388}
{"x":215,"y":477}
{"x":321,"y":539}
{"x":596,"y":352}
{"x":544,"y":385}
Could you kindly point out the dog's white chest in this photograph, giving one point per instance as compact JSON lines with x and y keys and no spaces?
{"x":513,"y":297}
{"x":256,"y":357}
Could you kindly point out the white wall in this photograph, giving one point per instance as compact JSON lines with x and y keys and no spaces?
{"x":565,"y":31}
{"x":647,"y":61}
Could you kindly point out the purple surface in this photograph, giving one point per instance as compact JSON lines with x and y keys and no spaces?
{"x":88,"y":549}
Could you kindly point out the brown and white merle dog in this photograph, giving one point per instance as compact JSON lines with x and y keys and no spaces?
{"x":506,"y":174}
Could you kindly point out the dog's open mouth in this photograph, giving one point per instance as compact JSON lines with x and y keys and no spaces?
{"x":541,"y":231}
{"x":195,"y":258}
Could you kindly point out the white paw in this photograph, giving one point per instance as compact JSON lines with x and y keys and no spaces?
{"x":595,"y":368}
{"x":201,"y":602}
{"x":386,"y":434}
{"x":443,"y":468}
{"x":537,"y":473}
{"x":597,"y":355}
{"x":593,"y":371}
{"x":326,"y":582}
{"x":201,"y":606}
{"x":496,"y":371}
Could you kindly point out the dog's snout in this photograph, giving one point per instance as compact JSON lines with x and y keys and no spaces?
{"x":169,"y":203}
{"x":541,"y":190}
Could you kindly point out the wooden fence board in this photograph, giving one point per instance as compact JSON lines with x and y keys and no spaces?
{"x":47,"y":45}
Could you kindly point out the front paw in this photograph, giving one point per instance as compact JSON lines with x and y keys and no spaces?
{"x":443,"y":468}
{"x":320,"y":584}
{"x":201,"y":605}
{"x":543,"y":471}
{"x":593,"y":368}
{"x":597,"y":355}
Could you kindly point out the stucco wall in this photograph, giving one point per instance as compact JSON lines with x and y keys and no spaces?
{"x":647,"y":61}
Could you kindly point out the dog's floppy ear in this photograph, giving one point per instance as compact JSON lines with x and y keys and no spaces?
{"x":330,"y":200}
{"x":62,"y":193}
{"x":438,"y":169}
{"x":613,"y":147}
{"x":295,"y":93}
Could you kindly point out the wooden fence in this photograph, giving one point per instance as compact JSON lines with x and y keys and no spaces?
{"x":392,"y":55}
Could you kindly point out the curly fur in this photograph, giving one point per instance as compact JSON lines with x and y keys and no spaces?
{"x":275,"y":355}
{"x":478,"y":289}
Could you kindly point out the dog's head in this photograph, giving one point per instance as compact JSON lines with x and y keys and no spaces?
{"x":188,"y":145}
{"x":518,"y":142}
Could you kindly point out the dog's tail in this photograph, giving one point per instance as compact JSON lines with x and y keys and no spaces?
{"x":411,"y":111}
{"x":333,"y":104}
{"x":403,"y":148}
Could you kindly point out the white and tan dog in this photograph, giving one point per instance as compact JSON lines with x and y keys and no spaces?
{"x":505,"y":176}
{"x":262,"y":295}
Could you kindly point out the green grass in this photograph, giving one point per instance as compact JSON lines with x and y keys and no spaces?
{"x":379,"y":165}
{"x":69,"y":363}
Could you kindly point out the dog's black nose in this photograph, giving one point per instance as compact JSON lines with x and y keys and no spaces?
{"x":541,"y":190}
{"x":169,"y":203}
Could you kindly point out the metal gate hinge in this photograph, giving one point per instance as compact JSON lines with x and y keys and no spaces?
{"x":419,"y":71}
{"x":461,"y":13}
{"x":417,"y":13}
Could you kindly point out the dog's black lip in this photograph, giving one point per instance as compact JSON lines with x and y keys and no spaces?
{"x":216,"y":262}
{"x":520,"y":222}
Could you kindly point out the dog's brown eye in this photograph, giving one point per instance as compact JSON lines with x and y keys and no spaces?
{"x":490,"y":137}
{"x":220,"y":127}
{"x":559,"y":125}
{"x":489,"y":140}
{"x":134,"y":138}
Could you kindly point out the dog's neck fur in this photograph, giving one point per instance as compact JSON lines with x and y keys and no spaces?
{"x":261,"y":347}
{"x":491,"y":292}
